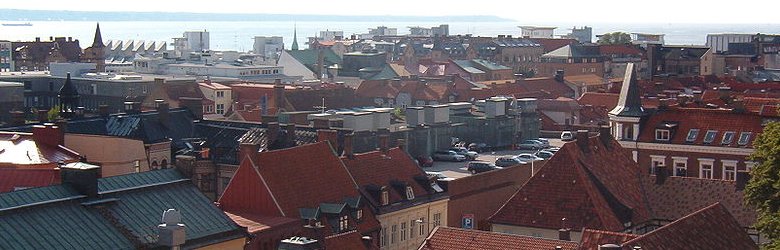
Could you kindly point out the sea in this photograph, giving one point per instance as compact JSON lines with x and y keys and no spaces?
{"x":238,"y":35}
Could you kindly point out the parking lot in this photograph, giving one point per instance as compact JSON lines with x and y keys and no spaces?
{"x":458,"y":169}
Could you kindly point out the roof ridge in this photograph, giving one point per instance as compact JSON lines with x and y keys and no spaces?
{"x":681,"y":220}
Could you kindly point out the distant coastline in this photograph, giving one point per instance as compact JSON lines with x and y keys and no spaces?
{"x":53,"y":15}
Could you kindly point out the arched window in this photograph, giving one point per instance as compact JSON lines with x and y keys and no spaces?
{"x":164,"y":163}
{"x":155,"y":165}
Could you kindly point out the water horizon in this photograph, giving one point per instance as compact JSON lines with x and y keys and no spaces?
{"x":238,"y":35}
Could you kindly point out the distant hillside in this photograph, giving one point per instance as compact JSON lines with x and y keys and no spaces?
{"x":55,"y":15}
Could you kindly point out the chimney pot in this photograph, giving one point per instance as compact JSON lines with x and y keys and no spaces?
{"x":348,"y":141}
{"x":559,"y":75}
{"x":564,"y":234}
{"x":330,"y":136}
{"x":290,"y":129}
{"x":582,"y":139}
{"x":384,"y":144}
{"x":81,"y":176}
{"x":273,"y":132}
{"x":605,"y":134}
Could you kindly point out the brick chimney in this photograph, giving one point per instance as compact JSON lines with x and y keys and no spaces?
{"x":564,"y":234}
{"x":48,"y":134}
{"x":384,"y":144}
{"x":559,"y":75}
{"x":348,"y":141}
{"x":194,"y":104}
{"x":279,"y":96}
{"x":321,"y":123}
{"x":43,"y":115}
{"x":605,"y":135}
{"x":330,"y":136}
{"x":272,"y":132}
{"x":661,"y":172}
{"x":582,"y":139}
{"x":81,"y":176}
{"x":130,"y":107}
{"x":247,"y":149}
{"x":290,"y":129}
{"x":401,"y":144}
{"x":163,"y":114}
{"x":742,"y":179}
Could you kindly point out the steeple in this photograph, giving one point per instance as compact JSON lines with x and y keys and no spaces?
{"x":68,"y":98}
{"x":629,"y":104}
{"x":98,"y":42}
{"x":295,"y":38}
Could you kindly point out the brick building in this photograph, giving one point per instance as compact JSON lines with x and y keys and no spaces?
{"x":36,"y":55}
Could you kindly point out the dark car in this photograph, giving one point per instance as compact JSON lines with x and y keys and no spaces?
{"x":478,"y":147}
{"x":507,"y":161}
{"x":425,"y":161}
{"x":476,"y":167}
{"x":448,"y":155}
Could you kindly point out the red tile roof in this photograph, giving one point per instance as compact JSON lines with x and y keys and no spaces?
{"x":349,"y":240}
{"x":680,"y":196}
{"x":605,"y":100}
{"x":257,"y":223}
{"x":704,"y":120}
{"x":709,"y":228}
{"x":12,"y":178}
{"x":592,"y":239}
{"x":448,"y":238}
{"x":579,"y":185}
{"x":377,"y":169}
{"x":620,"y":49}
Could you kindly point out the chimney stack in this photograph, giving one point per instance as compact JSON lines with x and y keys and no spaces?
{"x":17,"y":118}
{"x":564,"y":234}
{"x":81,"y":176}
{"x":605,"y":134}
{"x":401,"y":144}
{"x":171,"y":230}
{"x":290,"y":129}
{"x":348,"y":140}
{"x":194,"y":104}
{"x":582,"y":139}
{"x":742,"y":179}
{"x":384,"y":144}
{"x":130,"y":107}
{"x":162,"y":111}
{"x":279,"y":96}
{"x":48,"y":134}
{"x":103,"y":110}
{"x":609,"y":247}
{"x":43,"y":115}
{"x":660,"y":174}
{"x":273,"y":132}
{"x":321,"y":123}
{"x":559,"y":75}
{"x":330,"y":136}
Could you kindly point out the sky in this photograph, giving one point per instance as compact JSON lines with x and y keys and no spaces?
{"x":607,"y":11}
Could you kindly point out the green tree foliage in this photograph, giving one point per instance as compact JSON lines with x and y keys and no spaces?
{"x":54,"y":113}
{"x":615,"y":38}
{"x":763,"y":190}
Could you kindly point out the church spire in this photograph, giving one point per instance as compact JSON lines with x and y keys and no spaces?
{"x":629,"y":103}
{"x":295,"y":38}
{"x":68,"y":98}
{"x":98,"y":42}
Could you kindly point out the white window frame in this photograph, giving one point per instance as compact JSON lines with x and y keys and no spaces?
{"x":220,"y":94}
{"x":732,"y":165}
{"x":656,"y":160}
{"x":715,"y":134}
{"x":706,"y":161}
{"x":383,"y":237}
{"x":662,"y":135}
{"x":393,"y":234}
{"x":359,"y":214}
{"x":678,"y":160}
{"x":403,"y":231}
{"x":724,"y":140}
{"x":694,"y":132}
{"x":747,"y":139}
{"x":436,"y":219}
{"x":749,"y":165}
{"x":409,"y":193}
{"x":220,"y":109}
{"x":343,"y":223}
{"x":385,"y":197}
{"x":422,"y":226}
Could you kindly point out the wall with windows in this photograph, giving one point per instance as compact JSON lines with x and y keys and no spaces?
{"x":115,"y":155}
{"x":693,"y":164}
{"x":407,"y":228}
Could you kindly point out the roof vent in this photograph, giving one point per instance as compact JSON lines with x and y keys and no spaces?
{"x":171,"y":230}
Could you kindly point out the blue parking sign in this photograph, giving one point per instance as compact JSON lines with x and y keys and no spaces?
{"x":468,"y":221}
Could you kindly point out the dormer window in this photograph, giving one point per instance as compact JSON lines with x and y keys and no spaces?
{"x":343,"y":223}
{"x":728,"y":137}
{"x":692,"y":134}
{"x":710,"y":136}
{"x":661,"y":135}
{"x":359,"y":214}
{"x":385,"y":197}
{"x":744,"y":137}
{"x":409,"y":193}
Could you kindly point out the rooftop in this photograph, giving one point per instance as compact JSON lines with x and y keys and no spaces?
{"x":450,"y":238}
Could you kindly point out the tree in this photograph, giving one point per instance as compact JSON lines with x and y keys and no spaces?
{"x":763,"y":190}
{"x":615,"y":38}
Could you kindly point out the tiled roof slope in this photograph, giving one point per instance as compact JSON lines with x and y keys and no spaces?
{"x":592,"y":239}
{"x":709,"y":228}
{"x":597,"y":187}
{"x":704,"y":120}
{"x":448,"y":238}
{"x":21,"y":149}
{"x":25,"y":178}
{"x":124,"y":215}
{"x":680,"y":196}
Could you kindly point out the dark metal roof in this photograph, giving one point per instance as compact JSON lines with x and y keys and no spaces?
{"x":223,"y":138}
{"x":68,"y":89}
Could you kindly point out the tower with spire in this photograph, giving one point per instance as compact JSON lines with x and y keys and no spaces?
{"x":295,"y":38}
{"x":626,"y":117}
{"x":97,"y":53}
{"x":68,"y":98}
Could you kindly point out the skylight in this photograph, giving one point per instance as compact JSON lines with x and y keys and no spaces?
{"x":728,"y":137}
{"x":744,"y":137}
{"x":692,"y":134}
{"x":710,"y":136}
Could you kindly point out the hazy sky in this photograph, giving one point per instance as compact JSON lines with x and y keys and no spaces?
{"x":529,"y":11}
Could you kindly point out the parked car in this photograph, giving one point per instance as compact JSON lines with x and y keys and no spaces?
{"x":567,"y":136}
{"x":544,"y":154}
{"x":439,"y":176}
{"x":478,"y":147}
{"x":528,"y":157}
{"x":425,"y":161}
{"x":470,"y":155}
{"x":544,"y":142}
{"x":531,"y":144}
{"x":553,"y":149}
{"x":507,"y":161}
{"x":476,"y":167}
{"x":448,"y":155}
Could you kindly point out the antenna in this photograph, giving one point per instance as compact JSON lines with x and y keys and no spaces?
{"x":321,"y":107}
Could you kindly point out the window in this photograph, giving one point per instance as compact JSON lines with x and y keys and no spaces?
{"x":220,"y":109}
{"x":705,"y":168}
{"x":137,"y":165}
{"x":411,"y":229}
{"x":385,"y":197}
{"x":749,"y":165}
{"x":692,"y":134}
{"x":403,"y":231}
{"x":359,"y":214}
{"x":436,"y":219}
{"x":93,"y":89}
{"x":393,"y":234}
{"x":728,"y":137}
{"x":343,"y":223}
{"x":662,"y":135}
{"x":383,"y":237}
{"x":409,"y":193}
{"x":710,"y":136}
{"x":729,"y":169}
{"x":422,"y":226}
{"x":680,"y":166}
{"x":220,"y":94}
{"x":655,"y":161}
{"x":744,"y":137}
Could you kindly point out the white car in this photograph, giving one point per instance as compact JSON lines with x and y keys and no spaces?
{"x":439,"y":176}
{"x":528,"y":157}
{"x":567,"y":136}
